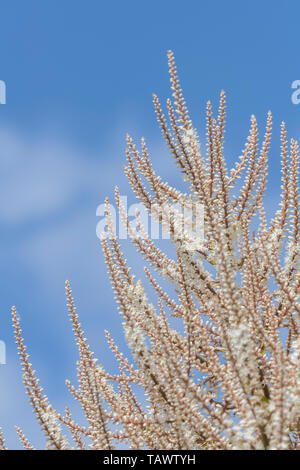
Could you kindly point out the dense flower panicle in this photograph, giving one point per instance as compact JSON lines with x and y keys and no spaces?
{"x":2,"y":441}
{"x":228,"y":377}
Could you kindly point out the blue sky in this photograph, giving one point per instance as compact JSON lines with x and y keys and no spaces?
{"x":79,"y":75}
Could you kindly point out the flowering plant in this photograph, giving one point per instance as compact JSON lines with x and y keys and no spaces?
{"x":230,"y":377}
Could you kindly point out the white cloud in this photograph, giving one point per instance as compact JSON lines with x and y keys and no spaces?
{"x":43,"y":177}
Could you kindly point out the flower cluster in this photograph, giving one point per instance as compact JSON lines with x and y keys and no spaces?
{"x":227,"y":376}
